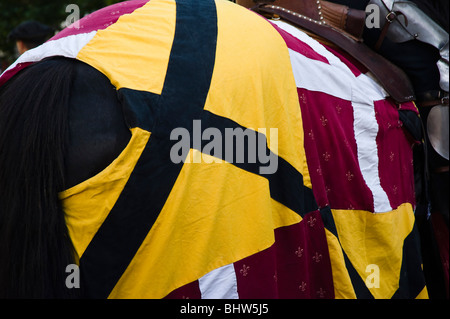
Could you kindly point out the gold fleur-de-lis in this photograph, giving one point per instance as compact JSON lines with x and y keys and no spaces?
{"x":299,"y":252}
{"x":324,"y":120}
{"x":395,"y":189}
{"x":244,"y":270}
{"x":349,"y":176}
{"x":317,"y":257}
{"x":312,"y":221}
{"x":392,"y":156}
{"x":303,"y":98}
{"x":326,"y":156}
{"x":321,"y":293}
{"x":302,"y":286}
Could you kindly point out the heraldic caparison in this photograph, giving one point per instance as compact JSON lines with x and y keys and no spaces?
{"x":146,"y":227}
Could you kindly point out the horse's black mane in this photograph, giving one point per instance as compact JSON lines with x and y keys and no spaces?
{"x":34,"y":244}
{"x":61,"y":123}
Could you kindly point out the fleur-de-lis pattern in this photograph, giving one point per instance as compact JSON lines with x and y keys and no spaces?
{"x":321,"y":293}
{"x":302,"y":286}
{"x":317,"y":257}
{"x":349,"y":176}
{"x":311,"y":221}
{"x":244,"y":270}
{"x":299,"y":252}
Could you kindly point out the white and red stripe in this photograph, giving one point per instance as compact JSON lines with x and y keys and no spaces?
{"x":335,"y":78}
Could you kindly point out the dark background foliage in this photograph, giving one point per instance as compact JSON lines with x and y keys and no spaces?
{"x":49,"y":12}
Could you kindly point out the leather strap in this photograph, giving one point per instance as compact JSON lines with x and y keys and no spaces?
{"x":341,"y":17}
{"x":432,"y":98}
{"x":390,"y":18}
{"x":393,"y":79}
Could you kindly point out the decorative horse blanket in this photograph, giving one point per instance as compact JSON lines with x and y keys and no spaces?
{"x":326,"y":209}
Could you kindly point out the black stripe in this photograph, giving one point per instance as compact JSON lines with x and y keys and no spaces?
{"x":184,"y":94}
{"x":412,"y":278}
{"x":286,"y":183}
{"x":328,"y":220}
{"x":359,"y":286}
{"x":140,"y":108}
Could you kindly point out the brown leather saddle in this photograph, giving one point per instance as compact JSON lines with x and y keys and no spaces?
{"x":343,"y":27}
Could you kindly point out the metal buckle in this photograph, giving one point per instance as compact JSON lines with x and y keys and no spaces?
{"x":391,"y":16}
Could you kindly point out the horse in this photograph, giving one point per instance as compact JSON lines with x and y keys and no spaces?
{"x":88,"y":177}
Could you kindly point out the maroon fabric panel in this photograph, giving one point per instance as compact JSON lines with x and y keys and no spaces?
{"x":300,"y":46}
{"x":10,"y":73}
{"x":257,"y":275}
{"x":303,"y":261}
{"x":189,"y":291}
{"x":331,"y":151}
{"x":102,"y":18}
{"x":395,"y":157}
{"x":297,"y":266}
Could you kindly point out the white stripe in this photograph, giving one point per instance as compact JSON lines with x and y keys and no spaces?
{"x":336,"y":79}
{"x":68,"y":47}
{"x":315,"y":45}
{"x":311,"y":74}
{"x":337,"y":70}
{"x":366,"y":128}
{"x":220,"y":283}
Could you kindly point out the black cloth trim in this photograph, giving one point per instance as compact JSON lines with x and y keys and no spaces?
{"x":186,"y":86}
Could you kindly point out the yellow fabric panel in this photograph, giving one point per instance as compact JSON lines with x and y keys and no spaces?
{"x":245,"y":42}
{"x":423,"y":294}
{"x":343,"y":287}
{"x":131,"y":55}
{"x":87,"y":204}
{"x":376,"y":239}
{"x":213,"y":217}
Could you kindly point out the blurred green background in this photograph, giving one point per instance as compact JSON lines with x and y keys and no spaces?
{"x":49,"y":12}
